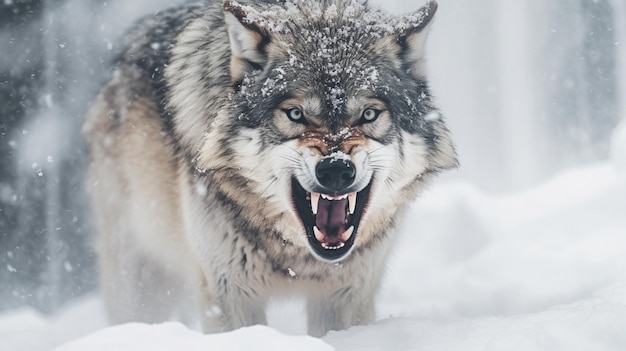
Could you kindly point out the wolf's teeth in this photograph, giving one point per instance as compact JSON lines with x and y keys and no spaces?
{"x":345,"y":236}
{"x":352,"y":202}
{"x":318,"y":234}
{"x":335,"y":247}
{"x":315,"y":200}
{"x":334,"y":198}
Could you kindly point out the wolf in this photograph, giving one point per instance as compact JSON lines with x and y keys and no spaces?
{"x":247,"y":150}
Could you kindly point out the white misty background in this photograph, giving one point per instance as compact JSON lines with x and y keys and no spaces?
{"x":529,"y":88}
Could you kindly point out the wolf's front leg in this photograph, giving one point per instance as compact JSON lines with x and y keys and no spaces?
{"x":340,"y":310}
{"x":235,"y":307}
{"x":241,"y":311}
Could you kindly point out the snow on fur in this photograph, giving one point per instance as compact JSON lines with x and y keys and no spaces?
{"x":352,"y":13}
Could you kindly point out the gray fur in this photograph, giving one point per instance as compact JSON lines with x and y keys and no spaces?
{"x":193,"y":158}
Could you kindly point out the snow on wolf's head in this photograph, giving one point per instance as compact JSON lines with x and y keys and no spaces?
{"x":334,"y":125}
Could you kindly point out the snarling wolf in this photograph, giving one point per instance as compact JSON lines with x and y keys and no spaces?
{"x":245,"y":150}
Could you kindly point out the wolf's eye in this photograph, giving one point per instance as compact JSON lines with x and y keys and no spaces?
{"x":370,"y":115}
{"x":295,"y":114}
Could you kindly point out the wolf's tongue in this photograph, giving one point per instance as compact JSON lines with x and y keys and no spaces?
{"x":331,"y":218}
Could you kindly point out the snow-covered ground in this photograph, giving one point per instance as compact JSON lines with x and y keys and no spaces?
{"x":543,"y":269}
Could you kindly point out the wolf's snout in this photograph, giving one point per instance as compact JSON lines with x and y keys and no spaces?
{"x":335,"y":175}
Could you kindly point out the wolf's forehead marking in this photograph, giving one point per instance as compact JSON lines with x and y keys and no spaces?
{"x":337,"y":59}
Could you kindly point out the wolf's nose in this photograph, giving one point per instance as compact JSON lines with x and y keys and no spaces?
{"x":334,"y":174}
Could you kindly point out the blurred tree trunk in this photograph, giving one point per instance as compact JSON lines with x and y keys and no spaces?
{"x":54,"y":57}
{"x":44,"y":244}
{"x":21,"y":66}
{"x":581,"y":55}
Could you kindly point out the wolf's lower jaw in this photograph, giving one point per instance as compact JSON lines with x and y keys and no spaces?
{"x":331,"y":221}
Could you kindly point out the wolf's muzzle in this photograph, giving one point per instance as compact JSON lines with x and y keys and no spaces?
{"x":336,"y":175}
{"x":331,"y":210}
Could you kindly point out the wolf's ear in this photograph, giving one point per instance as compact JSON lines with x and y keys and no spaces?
{"x":412,"y":40}
{"x":248,"y":40}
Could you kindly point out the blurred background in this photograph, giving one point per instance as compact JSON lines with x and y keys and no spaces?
{"x":529,"y":88}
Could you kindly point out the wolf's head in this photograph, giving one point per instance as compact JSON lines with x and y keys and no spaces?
{"x":332,"y":122}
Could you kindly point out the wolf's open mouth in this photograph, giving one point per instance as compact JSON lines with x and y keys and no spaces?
{"x":331,"y":221}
